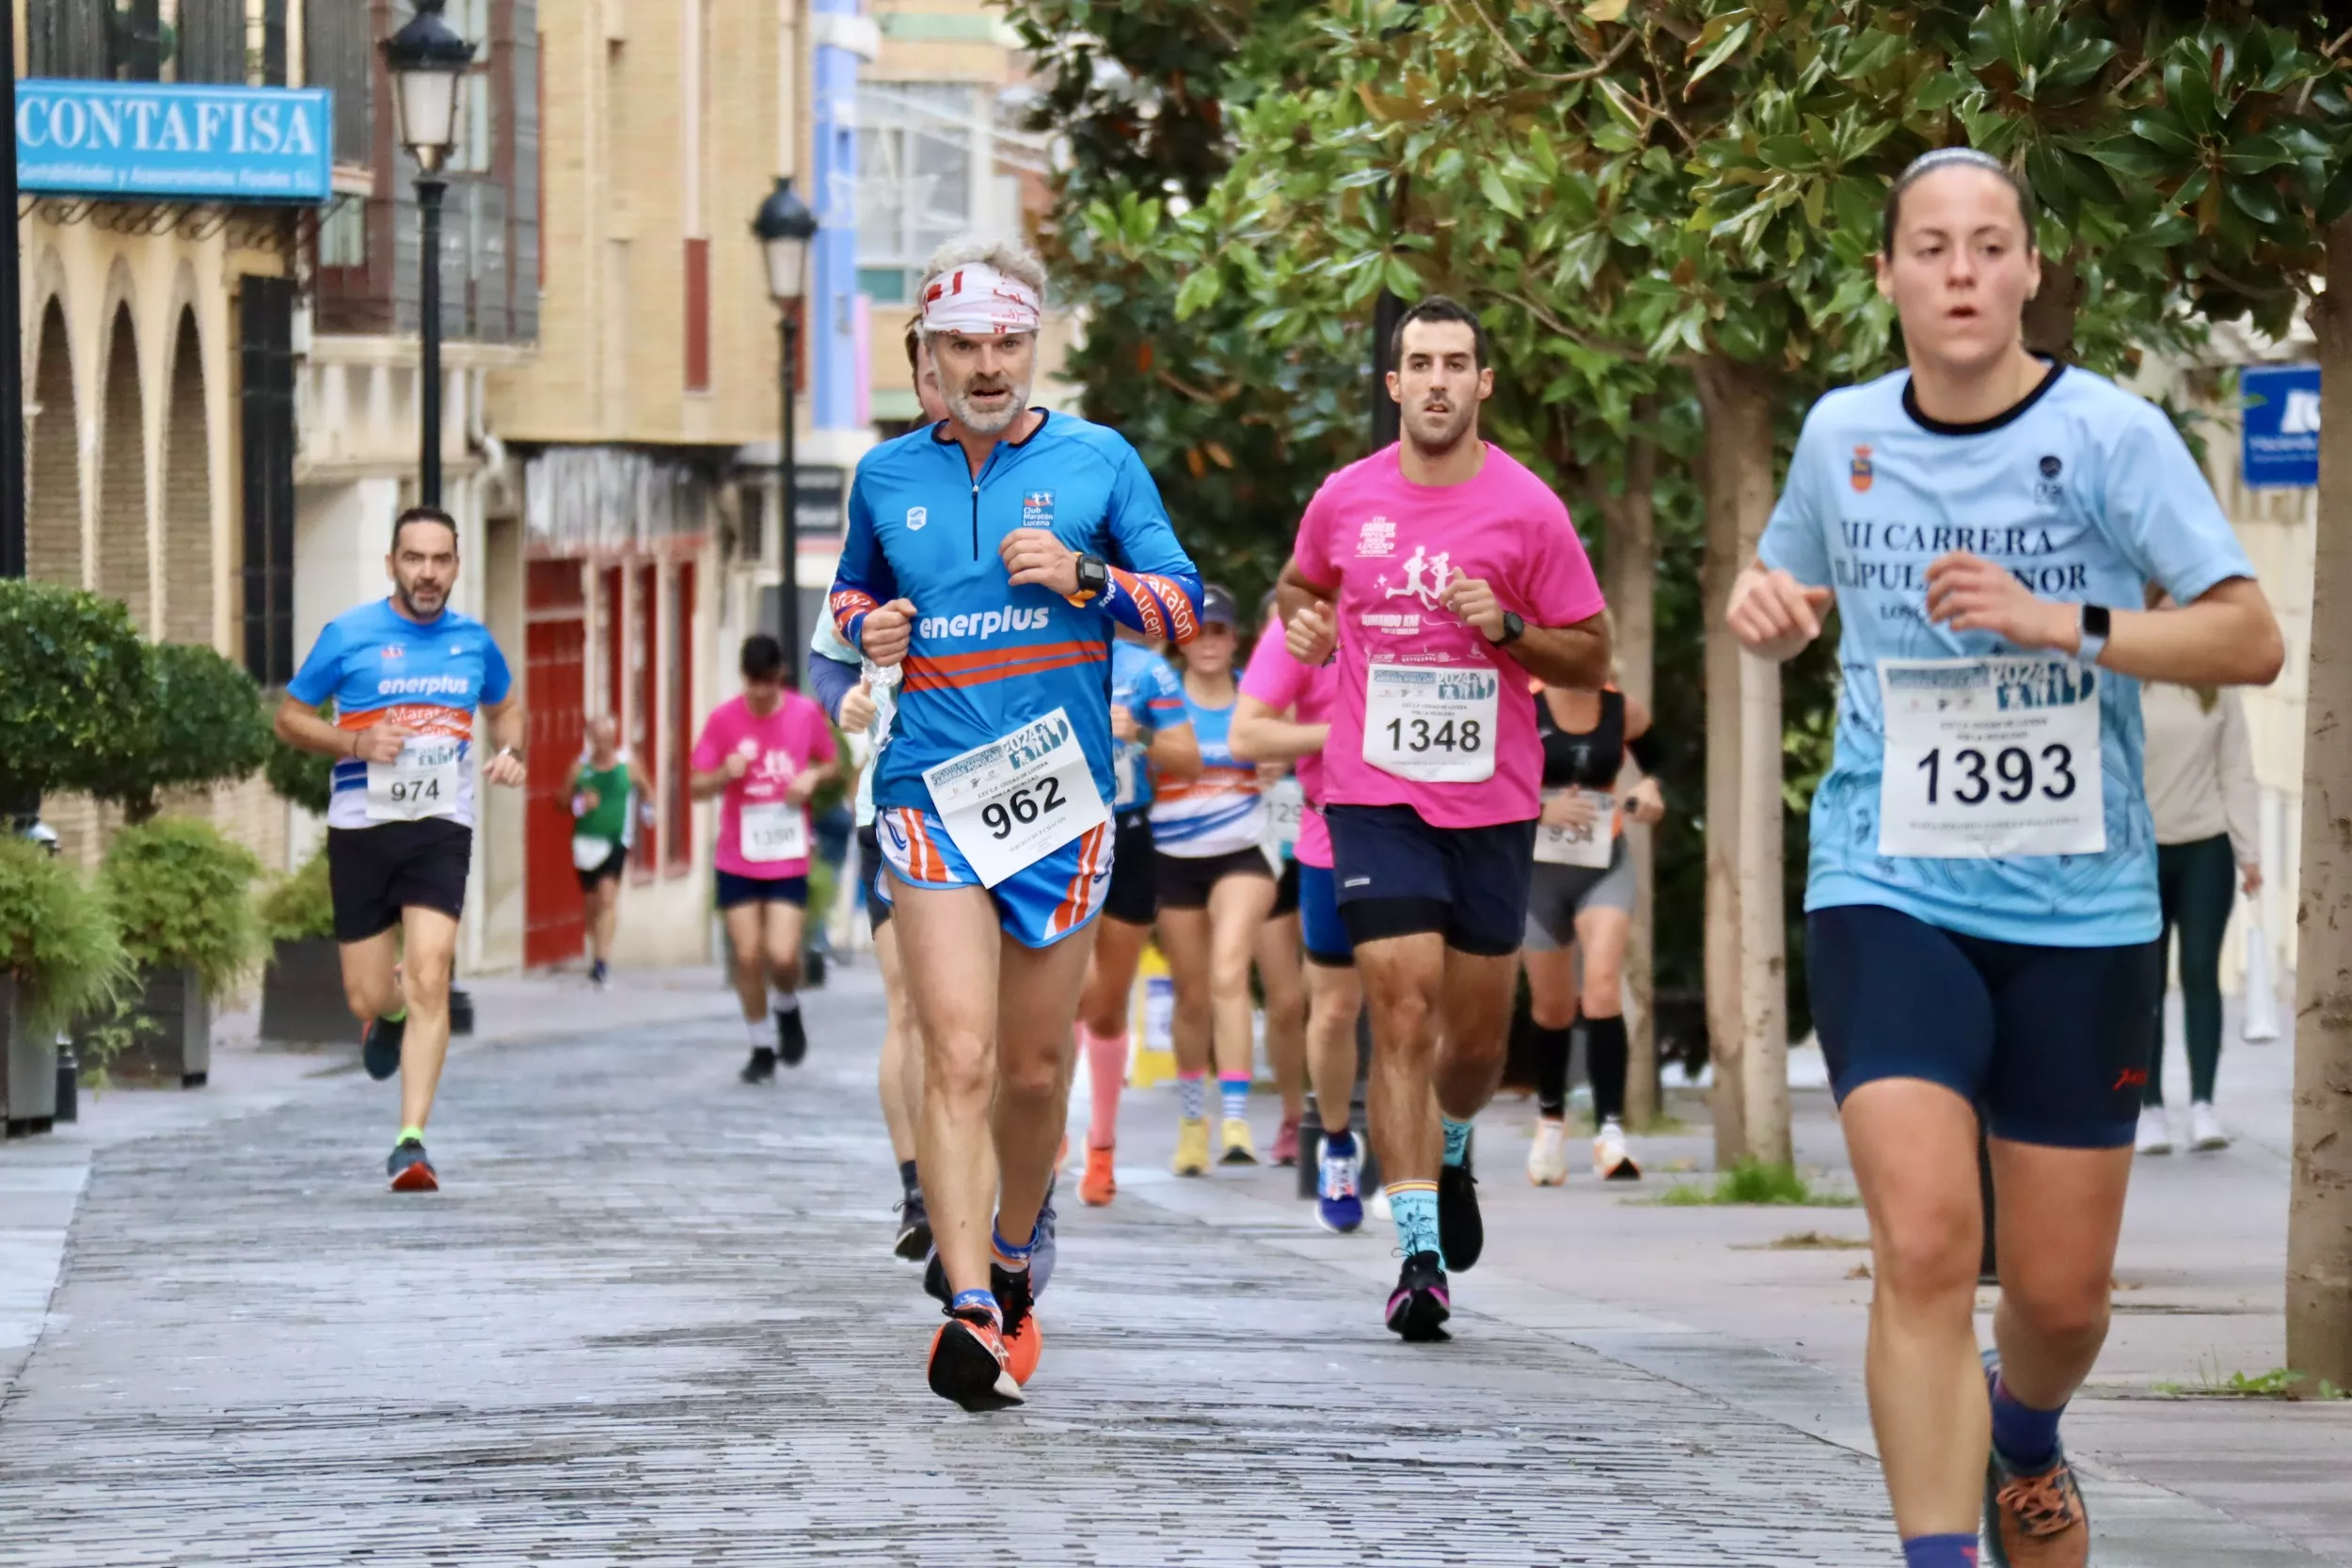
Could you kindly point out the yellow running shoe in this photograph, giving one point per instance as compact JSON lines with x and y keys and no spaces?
{"x":1192,"y":1147}
{"x":1239,"y":1151}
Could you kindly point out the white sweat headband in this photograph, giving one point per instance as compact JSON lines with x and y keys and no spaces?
{"x":978,"y":301}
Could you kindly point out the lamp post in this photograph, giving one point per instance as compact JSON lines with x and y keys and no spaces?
{"x":785,"y":225}
{"x":12,"y":550}
{"x":427,"y":58}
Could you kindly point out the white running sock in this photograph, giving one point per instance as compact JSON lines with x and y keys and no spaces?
{"x":783,"y":1001}
{"x":761,"y":1033}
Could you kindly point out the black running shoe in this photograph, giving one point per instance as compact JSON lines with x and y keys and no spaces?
{"x":1016,"y":1295}
{"x":410,"y":1171}
{"x":379,"y":1048}
{"x":761,"y":1069}
{"x":968,"y":1362}
{"x":914,"y":1228}
{"x":935,"y":1279}
{"x":1461,"y":1234}
{"x":791,"y":1037}
{"x":1419,"y":1306}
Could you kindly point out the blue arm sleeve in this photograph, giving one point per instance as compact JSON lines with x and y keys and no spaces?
{"x":1155,"y":589}
{"x":832,"y":680}
{"x":864,"y":580}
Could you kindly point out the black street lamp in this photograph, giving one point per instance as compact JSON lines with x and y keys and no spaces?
{"x":427,"y":59}
{"x":13,"y":549}
{"x":785,"y":225}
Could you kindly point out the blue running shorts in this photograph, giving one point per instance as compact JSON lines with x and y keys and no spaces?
{"x":2050,"y":1044}
{"x":1037,"y":905}
{"x":1321,"y":931}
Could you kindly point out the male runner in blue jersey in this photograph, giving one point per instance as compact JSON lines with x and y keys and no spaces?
{"x":988,"y":558}
{"x":406,"y":673}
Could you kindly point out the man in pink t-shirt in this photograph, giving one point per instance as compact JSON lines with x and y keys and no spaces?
{"x":763,"y":754}
{"x":1444,"y":574}
{"x":1284,"y":716}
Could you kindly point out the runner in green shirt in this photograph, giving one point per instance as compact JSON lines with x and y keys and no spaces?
{"x":605,"y":789}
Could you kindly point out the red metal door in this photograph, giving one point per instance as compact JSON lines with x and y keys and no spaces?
{"x":555,"y":691}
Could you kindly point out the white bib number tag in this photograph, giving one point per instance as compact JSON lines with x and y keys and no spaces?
{"x":1285,"y":810}
{"x":590,"y":851}
{"x":1991,"y":758}
{"x":1433,"y":724}
{"x":420,"y":782}
{"x":774,"y":831}
{"x":1016,"y":799}
{"x":1589,"y":846}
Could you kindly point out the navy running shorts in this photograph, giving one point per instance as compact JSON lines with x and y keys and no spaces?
{"x":1133,"y":898}
{"x":2049,"y":1043}
{"x":734,"y":890}
{"x":1399,"y":877}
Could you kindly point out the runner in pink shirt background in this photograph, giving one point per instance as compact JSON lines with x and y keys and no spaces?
{"x":1444,"y":574}
{"x":1284,"y":716}
{"x":764,"y":755}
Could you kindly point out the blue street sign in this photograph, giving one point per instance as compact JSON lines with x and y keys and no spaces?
{"x":2281,"y":424}
{"x":148,"y":140}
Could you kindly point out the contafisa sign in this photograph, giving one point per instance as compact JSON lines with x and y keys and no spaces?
{"x":148,"y":140}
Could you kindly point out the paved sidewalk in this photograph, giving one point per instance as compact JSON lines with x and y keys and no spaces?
{"x":653,"y":1318}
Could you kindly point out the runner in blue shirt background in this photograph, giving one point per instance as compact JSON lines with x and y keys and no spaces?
{"x":1981,"y":902}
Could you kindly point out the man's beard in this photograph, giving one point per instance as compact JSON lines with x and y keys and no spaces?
{"x":409,"y":601}
{"x":1460,"y":421}
{"x":982,"y":424}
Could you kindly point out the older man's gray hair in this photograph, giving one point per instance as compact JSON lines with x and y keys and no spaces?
{"x":1015,"y":261}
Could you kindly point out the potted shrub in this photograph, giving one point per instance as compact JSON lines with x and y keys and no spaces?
{"x":75,"y":708}
{"x":302,"y":991}
{"x":60,"y":959}
{"x":180,"y":898}
{"x":204,"y":725}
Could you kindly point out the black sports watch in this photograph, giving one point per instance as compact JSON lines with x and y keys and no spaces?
{"x":1094,"y":579}
{"x":2096,"y":624}
{"x":1513,"y":629}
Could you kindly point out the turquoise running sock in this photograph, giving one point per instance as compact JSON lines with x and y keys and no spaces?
{"x":1414,"y":1206}
{"x":1456,"y":1140}
{"x":1233,"y":1089}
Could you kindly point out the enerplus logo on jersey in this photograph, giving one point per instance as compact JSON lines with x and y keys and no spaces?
{"x":985,"y":623}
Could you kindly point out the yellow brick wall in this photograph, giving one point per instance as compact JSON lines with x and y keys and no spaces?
{"x":618,"y":129}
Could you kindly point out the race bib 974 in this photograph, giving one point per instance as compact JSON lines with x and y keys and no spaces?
{"x":420,"y":782}
{"x":1991,"y":758}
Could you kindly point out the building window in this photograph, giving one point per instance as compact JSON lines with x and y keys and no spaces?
{"x":914,"y":167}
{"x":681,"y":656}
{"x":338,"y":54}
{"x":266,"y":403}
{"x":344,"y":234}
{"x":698,"y":315}
{"x":476,"y":151}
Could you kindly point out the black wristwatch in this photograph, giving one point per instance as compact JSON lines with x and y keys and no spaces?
{"x":1094,"y":579}
{"x":1513,"y":629}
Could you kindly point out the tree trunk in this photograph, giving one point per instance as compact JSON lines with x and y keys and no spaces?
{"x":2319,"y":1212}
{"x":1629,"y":554}
{"x":1746,"y":962}
{"x":2050,"y":314}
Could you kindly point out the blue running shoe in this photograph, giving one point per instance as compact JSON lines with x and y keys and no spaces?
{"x":1042,"y":1240}
{"x":1338,"y":1206}
{"x":409,"y":1170}
{"x":379,"y":1048}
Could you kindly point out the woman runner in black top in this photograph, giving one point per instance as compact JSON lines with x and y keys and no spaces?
{"x":1580,"y":904}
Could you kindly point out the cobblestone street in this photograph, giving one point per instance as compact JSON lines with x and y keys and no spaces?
{"x":653,"y":1318}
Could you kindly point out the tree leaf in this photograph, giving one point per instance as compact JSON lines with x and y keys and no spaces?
{"x":1716,"y":56}
{"x":1605,"y":10}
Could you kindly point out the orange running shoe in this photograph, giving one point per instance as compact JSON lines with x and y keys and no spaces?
{"x":1098,"y":1187}
{"x":1025,"y":1342}
{"x":969,"y":1363}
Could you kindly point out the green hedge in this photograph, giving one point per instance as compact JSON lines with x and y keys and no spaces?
{"x":58,"y":940}
{"x":180,"y":896}
{"x":300,"y":907}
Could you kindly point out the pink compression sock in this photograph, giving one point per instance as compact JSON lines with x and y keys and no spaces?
{"x":1106,"y":1061}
